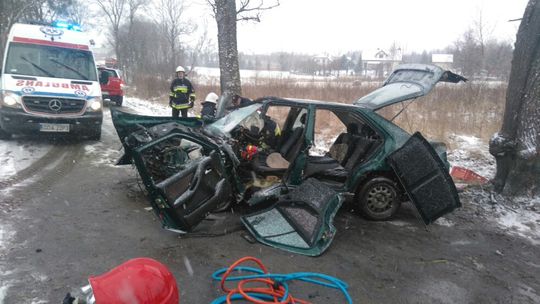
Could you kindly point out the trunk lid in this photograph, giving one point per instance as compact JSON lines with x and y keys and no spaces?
{"x":408,"y":81}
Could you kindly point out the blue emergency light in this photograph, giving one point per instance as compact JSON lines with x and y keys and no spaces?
{"x":67,"y":25}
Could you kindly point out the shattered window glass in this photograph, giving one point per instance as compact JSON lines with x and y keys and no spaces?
{"x":227,"y":123}
{"x":415,"y":75}
{"x":274,"y":227}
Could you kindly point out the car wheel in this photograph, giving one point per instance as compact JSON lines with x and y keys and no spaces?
{"x":119,"y":100}
{"x":379,"y":199}
{"x":4,"y":134}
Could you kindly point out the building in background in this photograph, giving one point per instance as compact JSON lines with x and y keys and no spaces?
{"x":445,"y":61}
{"x":379,"y":63}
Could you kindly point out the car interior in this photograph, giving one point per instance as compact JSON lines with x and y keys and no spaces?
{"x":287,"y":145}
{"x":354,"y":141}
{"x":351,"y":148}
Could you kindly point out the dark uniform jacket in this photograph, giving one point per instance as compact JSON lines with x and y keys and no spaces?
{"x":208,"y":110}
{"x":180,"y":91}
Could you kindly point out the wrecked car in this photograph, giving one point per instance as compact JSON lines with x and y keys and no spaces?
{"x":270,"y":154}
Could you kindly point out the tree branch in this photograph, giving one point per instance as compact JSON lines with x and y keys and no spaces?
{"x":245,"y":7}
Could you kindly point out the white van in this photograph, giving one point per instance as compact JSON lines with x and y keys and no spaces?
{"x":49,"y":82}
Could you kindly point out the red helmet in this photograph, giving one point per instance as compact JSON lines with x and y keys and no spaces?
{"x":141,"y":280}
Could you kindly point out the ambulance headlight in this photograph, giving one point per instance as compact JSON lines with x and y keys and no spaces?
{"x":11,"y":100}
{"x":95,"y":104}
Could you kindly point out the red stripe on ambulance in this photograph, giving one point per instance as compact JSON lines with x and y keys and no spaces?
{"x":51,"y":43}
{"x":47,"y":84}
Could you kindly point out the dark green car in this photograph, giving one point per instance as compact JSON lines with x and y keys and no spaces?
{"x":298,"y":158}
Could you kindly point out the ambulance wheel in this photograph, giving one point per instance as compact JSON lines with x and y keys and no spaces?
{"x":4,"y":134}
{"x":378,"y":199}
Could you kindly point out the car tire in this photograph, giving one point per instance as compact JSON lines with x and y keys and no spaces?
{"x":379,"y":199}
{"x":4,"y":134}
{"x":119,"y":100}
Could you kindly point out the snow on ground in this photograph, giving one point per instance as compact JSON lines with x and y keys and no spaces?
{"x":472,"y":153}
{"x":518,"y":216}
{"x":17,"y":154}
{"x":515,"y":215}
{"x":210,"y":76}
{"x":6,"y":234}
{"x":147,"y":107}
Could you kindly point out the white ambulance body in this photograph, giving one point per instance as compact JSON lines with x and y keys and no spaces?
{"x":49,"y":82}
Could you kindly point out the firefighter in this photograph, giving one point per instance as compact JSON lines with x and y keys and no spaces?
{"x":240,"y":102}
{"x":209,"y":106}
{"x":182,"y":96}
{"x":271,"y":133}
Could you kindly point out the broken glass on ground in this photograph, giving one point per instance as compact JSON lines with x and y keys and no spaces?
{"x":301,"y":220}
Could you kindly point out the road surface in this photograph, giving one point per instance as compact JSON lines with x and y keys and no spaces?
{"x":70,"y":214}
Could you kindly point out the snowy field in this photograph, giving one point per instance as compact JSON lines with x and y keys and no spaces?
{"x":208,"y":76}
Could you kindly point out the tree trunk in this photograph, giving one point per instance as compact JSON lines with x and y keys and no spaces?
{"x":228,"y":51}
{"x":516,"y":147}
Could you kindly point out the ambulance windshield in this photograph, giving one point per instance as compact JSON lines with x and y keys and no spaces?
{"x":50,"y":61}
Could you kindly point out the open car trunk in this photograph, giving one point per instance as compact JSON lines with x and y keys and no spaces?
{"x":406,"y":82}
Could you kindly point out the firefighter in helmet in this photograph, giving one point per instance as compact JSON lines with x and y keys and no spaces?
{"x":209,"y":106}
{"x":182,"y":96}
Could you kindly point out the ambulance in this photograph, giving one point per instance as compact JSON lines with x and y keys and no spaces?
{"x":49,"y":82}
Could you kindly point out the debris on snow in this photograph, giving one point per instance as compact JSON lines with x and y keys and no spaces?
{"x":518,"y":216}
{"x":472,"y":153}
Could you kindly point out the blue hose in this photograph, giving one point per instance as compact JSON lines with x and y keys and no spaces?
{"x":282,"y":279}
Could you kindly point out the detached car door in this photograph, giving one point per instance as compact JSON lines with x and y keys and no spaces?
{"x":425,"y":178}
{"x":184,"y":177}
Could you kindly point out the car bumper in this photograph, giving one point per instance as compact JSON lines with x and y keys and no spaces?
{"x":18,"y":121}
{"x":112,"y":93}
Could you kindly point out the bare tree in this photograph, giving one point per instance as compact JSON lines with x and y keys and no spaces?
{"x":200,"y":48}
{"x":517,"y":146}
{"x":114,"y":11}
{"x":129,"y":42}
{"x":170,"y":18}
{"x":251,"y":10}
{"x":226,"y":15}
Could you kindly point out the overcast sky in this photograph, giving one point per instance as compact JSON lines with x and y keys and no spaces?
{"x":337,"y":26}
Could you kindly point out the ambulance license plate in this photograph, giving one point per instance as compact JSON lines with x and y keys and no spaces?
{"x":49,"y":127}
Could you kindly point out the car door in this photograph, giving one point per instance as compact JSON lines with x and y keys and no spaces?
{"x":425,"y":178}
{"x":184,"y":177}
